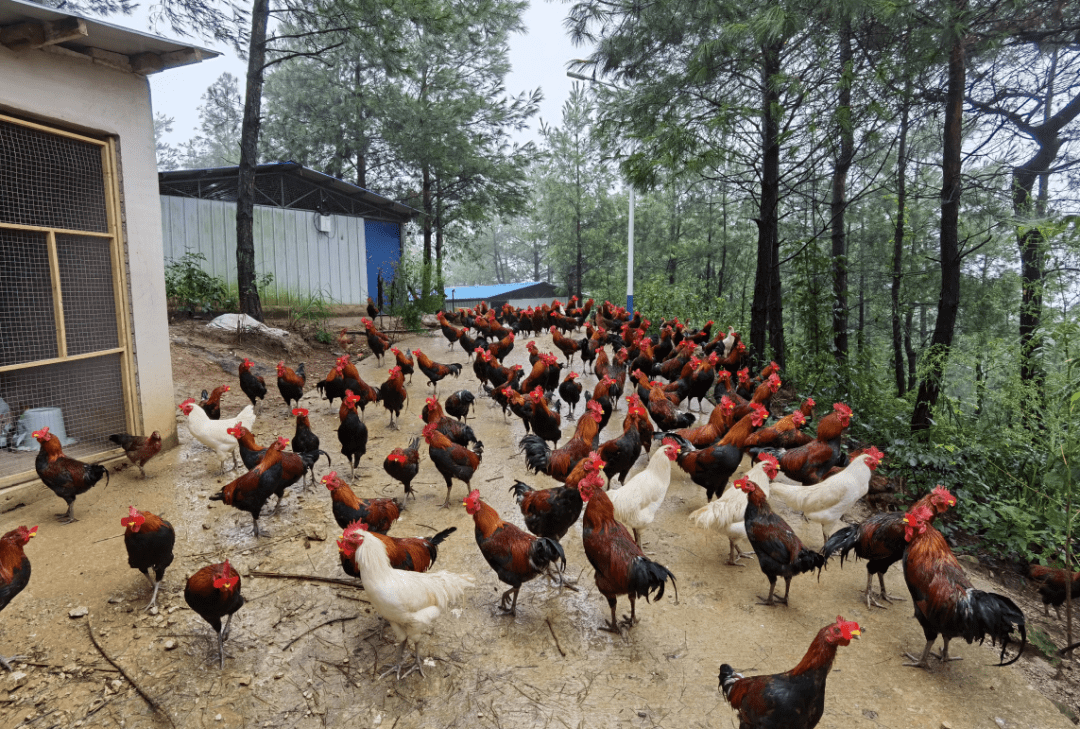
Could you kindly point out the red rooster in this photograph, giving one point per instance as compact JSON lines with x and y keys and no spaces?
{"x":403,"y":464}
{"x":149,"y":541}
{"x":946,"y":603}
{"x":566,"y":345}
{"x":452,"y":460}
{"x":435,"y":371}
{"x":570,"y":391}
{"x":451,"y":332}
{"x":880,"y":541}
{"x":65,"y":477}
{"x":455,"y":430}
{"x":251,"y":491}
{"x":459,"y":403}
{"x":720,"y":421}
{"x":377,"y":342}
{"x":637,"y":414}
{"x":411,"y":554}
{"x":621,"y":566}
{"x":404,"y":361}
{"x":1052,"y":586}
{"x":393,"y":395}
{"x":560,"y":462}
{"x":378,"y":514}
{"x":779,"y":551}
{"x":620,"y":454}
{"x":794,"y":699}
{"x":515,"y":555}
{"x":810,"y":463}
{"x":138,"y":448}
{"x":352,"y":433}
{"x":545,"y":423}
{"x":14,"y":573}
{"x":211,"y":404}
{"x":214,"y":593}
{"x":254,"y":386}
{"x":290,"y":383}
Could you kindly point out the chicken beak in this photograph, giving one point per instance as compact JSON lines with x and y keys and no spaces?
{"x":856,"y":633}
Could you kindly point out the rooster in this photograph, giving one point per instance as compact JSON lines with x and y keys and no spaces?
{"x":560,"y":462}
{"x":620,"y":454}
{"x":455,"y":430}
{"x":637,"y":502}
{"x":412,"y":554}
{"x":1052,"y":586}
{"x":214,"y":434}
{"x":377,"y":342}
{"x":566,"y":345}
{"x":452,"y":460}
{"x":435,"y":371}
{"x":251,"y":491}
{"x":545,"y":423}
{"x":451,"y":332}
{"x":784,"y":433}
{"x":712,"y":466}
{"x":254,"y":386}
{"x":880,"y":541}
{"x":352,"y":433}
{"x":809,"y":463}
{"x":946,"y":603}
{"x":570,"y":391}
{"x":304,"y":439}
{"x":393,"y":394}
{"x":403,"y":464}
{"x":701,"y":380}
{"x":794,"y":699}
{"x":290,"y":384}
{"x":372,"y":310}
{"x":726,"y":515}
{"x":720,"y":421}
{"x":65,"y":477}
{"x":378,"y":514}
{"x":214,"y":593}
{"x":826,"y":502}
{"x":515,"y":555}
{"x":138,"y":448}
{"x":459,"y":403}
{"x":404,"y":361}
{"x":149,"y":541}
{"x":663,"y":411}
{"x":211,"y":403}
{"x":621,"y":566}
{"x":409,"y":601}
{"x":500,"y":349}
{"x":639,"y":416}
{"x":14,"y":573}
{"x":779,"y":551}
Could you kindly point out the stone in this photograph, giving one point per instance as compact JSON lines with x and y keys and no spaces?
{"x":245,"y":680}
{"x":430,"y":321}
{"x":116,"y":684}
{"x":15,"y":680}
{"x":80,"y":612}
{"x":170,"y":644}
{"x":315,"y":532}
{"x":154,"y":610}
{"x":114,"y":601}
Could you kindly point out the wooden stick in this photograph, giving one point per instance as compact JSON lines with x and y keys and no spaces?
{"x":552,"y":629}
{"x":320,"y":625}
{"x":308,"y":578}
{"x":146,"y":697}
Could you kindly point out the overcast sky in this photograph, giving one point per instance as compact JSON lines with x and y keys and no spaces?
{"x":538,"y":57}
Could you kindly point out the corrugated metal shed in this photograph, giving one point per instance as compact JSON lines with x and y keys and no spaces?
{"x":525,"y":293}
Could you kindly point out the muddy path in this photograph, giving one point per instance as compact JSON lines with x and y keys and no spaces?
{"x":303,"y":654}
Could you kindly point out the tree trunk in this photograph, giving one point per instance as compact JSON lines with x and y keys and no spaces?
{"x":249,"y":157}
{"x":949,"y":299}
{"x":898,"y":246}
{"x":909,"y":350}
{"x":838,"y":202}
{"x":429,"y":218}
{"x":764,"y":312}
{"x":438,"y":235}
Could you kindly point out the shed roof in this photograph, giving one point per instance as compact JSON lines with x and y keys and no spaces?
{"x":286,"y":185}
{"x":489,"y":291}
{"x":27,"y":26}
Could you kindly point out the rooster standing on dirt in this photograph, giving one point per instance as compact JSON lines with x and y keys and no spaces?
{"x":378,"y":514}
{"x":138,"y":448}
{"x":435,"y":371}
{"x":403,"y":464}
{"x":254,"y":386}
{"x":393,"y":395}
{"x":794,"y":699}
{"x":1052,"y":586}
{"x":452,"y":460}
{"x":14,"y":573}
{"x":290,"y":384}
{"x":214,"y":593}
{"x":149,"y":541}
{"x":352,"y":433}
{"x":65,"y":477}
{"x":412,"y":554}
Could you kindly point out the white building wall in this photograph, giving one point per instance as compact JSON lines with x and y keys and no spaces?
{"x":307,"y":253}
{"x":96,"y":100}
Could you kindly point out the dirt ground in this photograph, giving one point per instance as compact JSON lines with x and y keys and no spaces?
{"x":303,"y":654}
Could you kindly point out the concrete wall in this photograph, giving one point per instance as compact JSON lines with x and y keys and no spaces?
{"x":95,"y":100}
{"x":307,"y":253}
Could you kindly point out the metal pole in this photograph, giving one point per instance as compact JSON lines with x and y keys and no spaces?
{"x":630,"y":257}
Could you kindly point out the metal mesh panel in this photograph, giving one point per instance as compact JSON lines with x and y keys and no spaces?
{"x":89,"y":395}
{"x":27,"y":326}
{"x":86,"y":283}
{"x":51,"y":181}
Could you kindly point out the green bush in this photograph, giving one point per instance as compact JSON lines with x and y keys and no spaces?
{"x":415,"y":291}
{"x":191,"y":289}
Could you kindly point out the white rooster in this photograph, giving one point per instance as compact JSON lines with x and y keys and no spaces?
{"x":214,"y":433}
{"x":409,"y":601}
{"x":637,"y":502}
{"x":827,"y":501}
{"x":726,"y":514}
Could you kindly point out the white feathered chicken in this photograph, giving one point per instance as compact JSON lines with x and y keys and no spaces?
{"x":827,"y":501}
{"x":409,"y":601}
{"x":726,"y":514}
{"x":214,"y":433}
{"x":637,"y":502}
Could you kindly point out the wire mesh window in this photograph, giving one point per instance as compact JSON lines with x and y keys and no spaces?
{"x":62,"y":349}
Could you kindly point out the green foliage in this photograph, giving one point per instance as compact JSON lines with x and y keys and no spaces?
{"x":411,"y":277}
{"x":310,"y":313}
{"x":657,"y":299}
{"x":191,"y":289}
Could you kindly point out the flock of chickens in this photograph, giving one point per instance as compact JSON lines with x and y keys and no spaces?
{"x":810,"y":473}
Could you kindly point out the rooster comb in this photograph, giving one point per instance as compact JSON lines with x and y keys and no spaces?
{"x":848,"y":628}
{"x":842,"y":409}
{"x":942,"y":494}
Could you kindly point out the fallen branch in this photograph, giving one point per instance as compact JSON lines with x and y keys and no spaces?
{"x":552,"y":629}
{"x":320,"y":625}
{"x":146,"y":697}
{"x":309,"y":578}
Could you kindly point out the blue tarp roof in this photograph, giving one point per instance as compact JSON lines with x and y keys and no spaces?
{"x":486,"y":292}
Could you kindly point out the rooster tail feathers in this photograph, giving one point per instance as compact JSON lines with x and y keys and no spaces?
{"x":300,"y":372}
{"x":455,"y":369}
{"x":684,"y":444}
{"x":219,"y":496}
{"x":478,"y":449}
{"x":414,"y":444}
{"x":520,"y":489}
{"x":728,"y":679}
{"x":808,"y":560}
{"x":441,"y":536}
{"x":537,"y":453}
{"x":997,"y":616}
{"x":547,"y":551}
{"x":470,"y":435}
{"x":842,"y":541}
{"x":121,"y":439}
{"x":647,"y":576}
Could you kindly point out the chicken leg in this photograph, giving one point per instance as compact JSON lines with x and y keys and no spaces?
{"x":68,"y":516}
{"x":512,"y":610}
{"x":6,"y":662}
{"x":884,"y":596}
{"x":924,"y":661}
{"x":734,"y":554}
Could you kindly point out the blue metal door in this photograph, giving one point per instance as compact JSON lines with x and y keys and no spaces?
{"x":383,"y":243}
